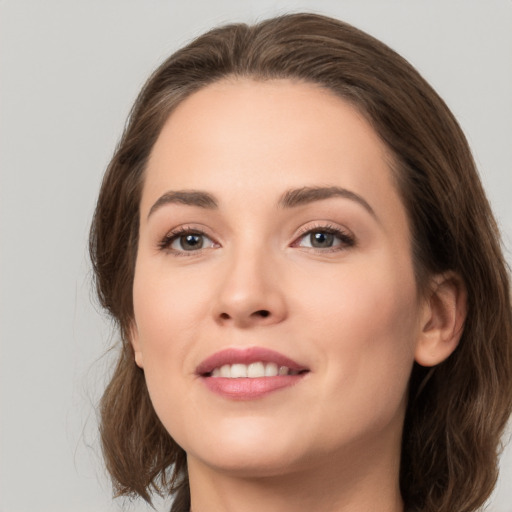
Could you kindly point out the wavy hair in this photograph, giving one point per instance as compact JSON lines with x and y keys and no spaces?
{"x":457,"y":410}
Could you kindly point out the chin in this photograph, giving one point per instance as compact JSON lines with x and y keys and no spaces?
{"x":247,"y":449}
{"x":248,"y":464}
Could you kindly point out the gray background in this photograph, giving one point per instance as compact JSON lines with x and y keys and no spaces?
{"x":69,"y":71}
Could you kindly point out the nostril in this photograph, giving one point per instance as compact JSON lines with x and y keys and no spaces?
{"x":240,"y":316}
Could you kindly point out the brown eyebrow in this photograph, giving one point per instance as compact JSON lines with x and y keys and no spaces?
{"x":188,"y":197}
{"x":290,"y":199}
{"x":306,"y":195}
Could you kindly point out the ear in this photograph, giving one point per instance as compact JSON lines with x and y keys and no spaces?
{"x":136,"y":345}
{"x":443,"y":319}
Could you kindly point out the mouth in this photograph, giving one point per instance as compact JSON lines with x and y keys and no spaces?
{"x":245,"y":374}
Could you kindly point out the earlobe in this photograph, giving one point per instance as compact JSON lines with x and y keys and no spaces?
{"x":443,"y":319}
{"x":135,"y":342}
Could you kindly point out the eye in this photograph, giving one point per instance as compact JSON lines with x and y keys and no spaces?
{"x":319,"y":239}
{"x":185,"y":240}
{"x":325,"y":238}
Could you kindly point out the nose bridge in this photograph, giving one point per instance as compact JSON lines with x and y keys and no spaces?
{"x":250,"y":290}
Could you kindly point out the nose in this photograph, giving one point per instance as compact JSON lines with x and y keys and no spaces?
{"x":251,"y":293}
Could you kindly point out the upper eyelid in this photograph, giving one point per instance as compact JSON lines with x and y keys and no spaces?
{"x":189,"y":228}
{"x":325,"y":226}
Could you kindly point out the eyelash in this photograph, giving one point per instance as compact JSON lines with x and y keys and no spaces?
{"x":346,"y":239}
{"x":172,"y":236}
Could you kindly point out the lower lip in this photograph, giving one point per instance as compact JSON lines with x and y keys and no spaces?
{"x":249,"y":389}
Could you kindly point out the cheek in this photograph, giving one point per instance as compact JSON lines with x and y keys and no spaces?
{"x":366,"y":302}
{"x":166,"y":307}
{"x":368,"y":326}
{"x":168,"y":316}
{"x":164,"y":324}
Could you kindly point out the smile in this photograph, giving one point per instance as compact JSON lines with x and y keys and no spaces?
{"x":249,"y":373}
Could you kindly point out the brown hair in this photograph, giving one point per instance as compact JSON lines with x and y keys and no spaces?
{"x":457,"y":410}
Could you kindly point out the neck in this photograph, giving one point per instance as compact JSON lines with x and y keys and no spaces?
{"x":358,"y":483}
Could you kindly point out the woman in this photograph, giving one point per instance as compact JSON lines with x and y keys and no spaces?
{"x":307,"y":277}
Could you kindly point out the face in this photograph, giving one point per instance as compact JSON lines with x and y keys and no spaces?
{"x":276,"y":309}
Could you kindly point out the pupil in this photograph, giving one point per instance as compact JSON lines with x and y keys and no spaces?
{"x":321,"y":239}
{"x":191,"y":242}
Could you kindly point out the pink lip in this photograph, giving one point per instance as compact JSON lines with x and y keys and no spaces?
{"x":245,"y":388}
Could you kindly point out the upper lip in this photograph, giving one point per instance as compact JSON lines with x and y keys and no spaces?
{"x":246,"y":356}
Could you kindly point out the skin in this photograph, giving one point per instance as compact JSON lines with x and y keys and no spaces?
{"x":350,"y":313}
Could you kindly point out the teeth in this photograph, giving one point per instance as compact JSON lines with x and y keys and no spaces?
{"x":251,"y":371}
{"x":225,"y":371}
{"x":238,"y":371}
{"x":271,"y":370}
{"x":255,"y":370}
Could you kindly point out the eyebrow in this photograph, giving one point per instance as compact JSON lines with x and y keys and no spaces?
{"x":306,"y":195}
{"x":187,"y":197}
{"x":290,"y":199}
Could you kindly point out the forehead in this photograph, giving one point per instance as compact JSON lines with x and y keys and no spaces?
{"x":239,"y":135}
{"x":268,"y":113}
